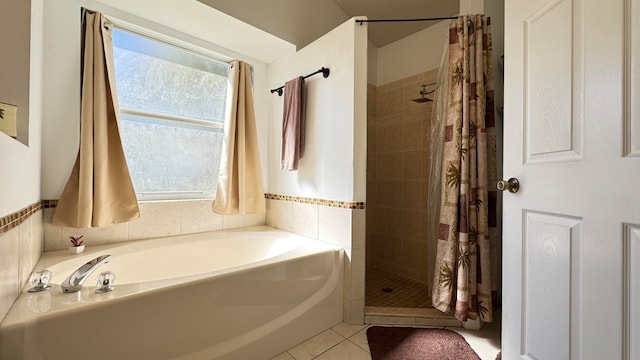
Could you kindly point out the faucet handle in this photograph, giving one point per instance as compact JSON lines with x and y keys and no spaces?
{"x":105,"y":282}
{"x":40,"y":280}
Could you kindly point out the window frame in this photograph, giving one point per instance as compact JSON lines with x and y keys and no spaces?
{"x":189,"y":47}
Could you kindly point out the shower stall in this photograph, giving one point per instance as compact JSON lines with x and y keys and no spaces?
{"x":406,"y":131}
{"x":400,"y":252}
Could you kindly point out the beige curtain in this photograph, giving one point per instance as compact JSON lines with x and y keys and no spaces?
{"x":99,"y":191}
{"x":466,"y":264}
{"x":239,"y":181}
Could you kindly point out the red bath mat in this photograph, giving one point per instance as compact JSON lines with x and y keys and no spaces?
{"x":393,"y":343}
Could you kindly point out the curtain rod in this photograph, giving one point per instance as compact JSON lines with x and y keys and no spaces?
{"x":361,"y":21}
{"x":325,"y":73}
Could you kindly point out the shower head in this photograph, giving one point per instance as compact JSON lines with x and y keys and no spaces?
{"x":424,"y":92}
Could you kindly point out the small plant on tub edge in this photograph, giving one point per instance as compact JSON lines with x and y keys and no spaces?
{"x":76,"y":240}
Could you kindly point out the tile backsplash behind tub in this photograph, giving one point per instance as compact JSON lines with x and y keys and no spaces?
{"x":157,"y":219}
{"x":20,"y":249}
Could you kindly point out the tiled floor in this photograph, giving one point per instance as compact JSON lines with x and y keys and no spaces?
{"x":386,"y":289}
{"x":349,"y":342}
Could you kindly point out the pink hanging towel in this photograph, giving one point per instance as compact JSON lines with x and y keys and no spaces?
{"x":293,"y":124}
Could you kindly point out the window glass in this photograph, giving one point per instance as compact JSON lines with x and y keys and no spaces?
{"x":165,"y":157}
{"x":172,"y":104}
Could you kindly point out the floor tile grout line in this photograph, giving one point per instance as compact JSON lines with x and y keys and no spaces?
{"x":338,"y":343}
{"x":365,"y":335}
{"x":407,"y":292}
{"x":343,"y":340}
{"x":473,"y":338}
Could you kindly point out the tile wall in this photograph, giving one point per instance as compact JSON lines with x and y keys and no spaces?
{"x":20,"y":248}
{"x":398,"y":177}
{"x":335,"y":222}
{"x":157,"y":219}
{"x":25,"y":234}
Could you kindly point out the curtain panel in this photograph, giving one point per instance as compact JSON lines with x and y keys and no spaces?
{"x":99,"y":191}
{"x":240,"y":179}
{"x":465,"y":277}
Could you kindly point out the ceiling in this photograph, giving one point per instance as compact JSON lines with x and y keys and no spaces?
{"x":302,"y":21}
{"x":382,"y":34}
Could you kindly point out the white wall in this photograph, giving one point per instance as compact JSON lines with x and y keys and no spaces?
{"x":334,"y":163}
{"x":372,"y":63}
{"x":336,"y":113}
{"x":412,"y":55}
{"x":188,"y":21}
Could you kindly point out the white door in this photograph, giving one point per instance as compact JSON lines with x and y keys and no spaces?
{"x":571,"y":244}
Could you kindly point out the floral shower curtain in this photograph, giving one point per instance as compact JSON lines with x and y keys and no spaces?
{"x":466,"y":262}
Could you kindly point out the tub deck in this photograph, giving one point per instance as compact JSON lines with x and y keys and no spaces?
{"x":282,"y":289}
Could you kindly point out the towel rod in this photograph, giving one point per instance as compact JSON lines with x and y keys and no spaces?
{"x":325,"y":73}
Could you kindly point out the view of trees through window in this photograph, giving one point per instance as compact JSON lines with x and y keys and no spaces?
{"x":172,"y":104}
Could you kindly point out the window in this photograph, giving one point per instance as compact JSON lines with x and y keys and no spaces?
{"x":172,"y":104}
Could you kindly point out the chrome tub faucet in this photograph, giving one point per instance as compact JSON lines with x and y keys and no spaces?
{"x":74,"y":282}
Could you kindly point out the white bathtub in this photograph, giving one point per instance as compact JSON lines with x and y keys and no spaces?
{"x":244,"y":294}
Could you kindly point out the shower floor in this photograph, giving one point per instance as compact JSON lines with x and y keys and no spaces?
{"x":386,"y":289}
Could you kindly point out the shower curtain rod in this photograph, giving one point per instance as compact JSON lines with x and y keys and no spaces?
{"x":361,"y":21}
{"x":325,"y":73}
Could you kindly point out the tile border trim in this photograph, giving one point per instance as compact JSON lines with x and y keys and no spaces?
{"x":314,"y":201}
{"x":15,"y":219}
{"x":46,"y":204}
